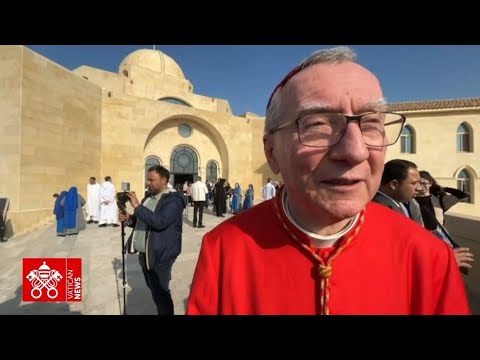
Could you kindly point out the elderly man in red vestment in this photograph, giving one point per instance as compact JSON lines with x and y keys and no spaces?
{"x":321,"y":246}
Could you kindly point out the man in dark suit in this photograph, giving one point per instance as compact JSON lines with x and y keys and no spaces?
{"x":400,"y":182}
{"x":158,"y":234}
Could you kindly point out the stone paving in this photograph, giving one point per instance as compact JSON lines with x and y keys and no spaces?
{"x":100,"y":250}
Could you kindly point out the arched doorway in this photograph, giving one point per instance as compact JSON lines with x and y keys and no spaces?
{"x":183,"y":165}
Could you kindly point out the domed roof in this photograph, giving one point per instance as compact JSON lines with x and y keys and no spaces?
{"x":153,"y":60}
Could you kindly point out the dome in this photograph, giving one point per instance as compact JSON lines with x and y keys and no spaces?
{"x":153,"y":60}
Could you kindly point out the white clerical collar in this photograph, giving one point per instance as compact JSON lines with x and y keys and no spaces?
{"x":318,"y":241}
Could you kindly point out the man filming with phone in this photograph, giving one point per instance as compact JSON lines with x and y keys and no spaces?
{"x":157,"y":234}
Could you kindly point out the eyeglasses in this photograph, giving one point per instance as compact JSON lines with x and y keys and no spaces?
{"x":379,"y":129}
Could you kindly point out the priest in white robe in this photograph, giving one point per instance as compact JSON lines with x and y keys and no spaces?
{"x":93,"y":201}
{"x":108,"y":204}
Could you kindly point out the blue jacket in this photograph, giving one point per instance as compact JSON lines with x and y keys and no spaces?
{"x":164,"y":242}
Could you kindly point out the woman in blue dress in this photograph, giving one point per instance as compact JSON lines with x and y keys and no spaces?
{"x":248,"y":203}
{"x":59,"y":213}
{"x":236,"y":199}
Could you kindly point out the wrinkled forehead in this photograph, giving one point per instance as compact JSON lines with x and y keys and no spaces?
{"x":334,"y":83}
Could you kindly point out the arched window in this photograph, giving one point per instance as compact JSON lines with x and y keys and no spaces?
{"x":212,"y":171}
{"x":407,"y":141}
{"x":463,"y":138}
{"x":151,"y":161}
{"x":184,"y":161}
{"x":464,"y":183}
{"x":175,"y":101}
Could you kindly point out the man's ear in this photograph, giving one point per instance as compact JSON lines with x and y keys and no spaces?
{"x":394,"y":184}
{"x":268,"y":148}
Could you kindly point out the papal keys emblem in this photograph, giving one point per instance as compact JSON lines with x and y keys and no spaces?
{"x":44,"y":278}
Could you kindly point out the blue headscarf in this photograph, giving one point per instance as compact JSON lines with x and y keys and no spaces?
{"x":70,"y":208}
{"x":58,"y":209}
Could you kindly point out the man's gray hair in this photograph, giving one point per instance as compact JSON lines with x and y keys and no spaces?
{"x":335,"y":55}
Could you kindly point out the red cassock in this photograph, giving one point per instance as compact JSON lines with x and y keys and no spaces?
{"x":258,"y":262}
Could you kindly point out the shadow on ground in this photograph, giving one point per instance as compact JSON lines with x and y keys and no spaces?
{"x":15,"y":306}
{"x":138,"y":297}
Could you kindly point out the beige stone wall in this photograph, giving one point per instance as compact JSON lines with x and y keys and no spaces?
{"x":24,"y":221}
{"x":145,"y":83}
{"x":10,"y":124}
{"x":108,"y":81}
{"x":238,"y":135}
{"x":261,"y":170}
{"x":223,"y":106}
{"x":165,"y":138}
{"x":136,"y":128}
{"x":150,"y":128}
{"x":60,"y":129}
{"x":435,"y":135}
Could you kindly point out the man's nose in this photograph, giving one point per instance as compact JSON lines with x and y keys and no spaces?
{"x":351,"y":147}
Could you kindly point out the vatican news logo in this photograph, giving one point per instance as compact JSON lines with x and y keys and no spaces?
{"x":52,"y":279}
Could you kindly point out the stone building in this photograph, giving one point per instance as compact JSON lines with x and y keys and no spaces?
{"x":442,"y":137}
{"x":59,"y":127}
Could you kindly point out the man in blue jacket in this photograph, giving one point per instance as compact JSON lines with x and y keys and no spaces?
{"x":157,"y":235}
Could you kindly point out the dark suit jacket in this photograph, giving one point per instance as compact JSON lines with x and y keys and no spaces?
{"x":164,"y":226}
{"x":415,"y":212}
{"x":413,"y":207}
{"x":384,"y":200}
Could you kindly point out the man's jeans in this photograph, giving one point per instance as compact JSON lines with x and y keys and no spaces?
{"x":157,"y":280}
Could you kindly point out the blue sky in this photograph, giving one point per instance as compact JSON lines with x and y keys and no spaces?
{"x":245,"y":75}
